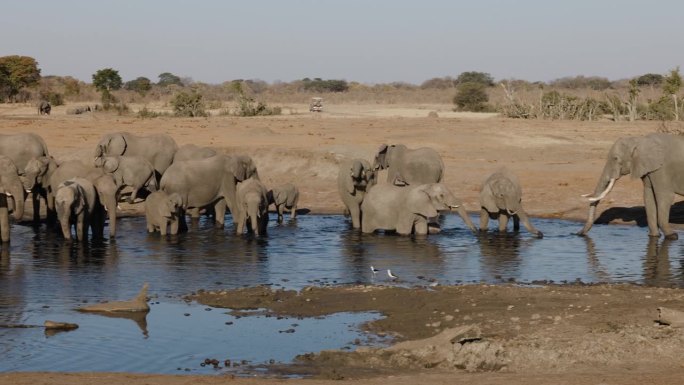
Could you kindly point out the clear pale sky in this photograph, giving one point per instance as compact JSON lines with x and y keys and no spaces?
{"x":371,"y":41}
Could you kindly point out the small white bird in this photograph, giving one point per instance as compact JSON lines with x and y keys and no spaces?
{"x":389,"y":273}
{"x":374,"y":270}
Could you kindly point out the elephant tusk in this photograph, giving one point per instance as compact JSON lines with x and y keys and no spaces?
{"x":585,"y":195}
{"x":604,"y":193}
{"x":454,"y":206}
{"x":511,"y":212}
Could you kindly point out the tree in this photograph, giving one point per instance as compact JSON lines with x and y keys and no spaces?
{"x":471,"y":96}
{"x":650,"y":80}
{"x":475,"y":77}
{"x":672,"y":84}
{"x":140,"y":85}
{"x":17,"y":72}
{"x":188,"y":104}
{"x":167,"y":79}
{"x":105,"y":81}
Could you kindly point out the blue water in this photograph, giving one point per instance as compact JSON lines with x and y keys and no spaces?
{"x":42,"y":278}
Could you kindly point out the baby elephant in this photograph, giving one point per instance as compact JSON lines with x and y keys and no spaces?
{"x":162,"y":210}
{"x":501,"y":198}
{"x":354,"y":180}
{"x":252,"y":207}
{"x":133,"y":171}
{"x":284,"y":197}
{"x":77,"y":204}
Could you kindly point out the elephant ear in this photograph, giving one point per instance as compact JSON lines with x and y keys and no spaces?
{"x":240,"y":168}
{"x":420,"y":202}
{"x":176,"y":199}
{"x":116,"y":145}
{"x":648,"y":155}
{"x":487,"y":200}
{"x":349,"y":182}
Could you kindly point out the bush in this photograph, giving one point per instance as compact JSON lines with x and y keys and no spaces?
{"x":188,"y":104}
{"x":250,"y":107}
{"x":55,"y":98}
{"x":471,"y":97}
{"x":145,"y":113}
{"x":475,"y":77}
{"x":320,"y":85}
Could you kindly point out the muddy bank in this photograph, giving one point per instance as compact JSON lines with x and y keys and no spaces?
{"x":506,"y":328}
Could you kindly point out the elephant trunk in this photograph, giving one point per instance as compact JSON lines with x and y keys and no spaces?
{"x":603,"y":187}
{"x":253,"y":213}
{"x":64,"y":214}
{"x":466,"y":218}
{"x":17,"y":193}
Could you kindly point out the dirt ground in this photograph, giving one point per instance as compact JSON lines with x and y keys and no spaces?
{"x":485,"y":334}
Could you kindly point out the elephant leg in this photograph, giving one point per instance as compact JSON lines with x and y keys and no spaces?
{"x":35,"y":198}
{"x":182,"y":224}
{"x":503,"y":222}
{"x":528,"y":225}
{"x":651,"y":208}
{"x":516,"y":223}
{"x":281,"y":211}
{"x":51,"y":217}
{"x":355,"y":212}
{"x":484,"y":219}
{"x":420,"y":227}
{"x":131,"y":198}
{"x":220,"y":210}
{"x":162,"y":227}
{"x":4,"y":222}
{"x":293,"y":212}
{"x":80,"y":225}
{"x":664,"y":202}
{"x":150,"y":226}
{"x":194,"y":213}
{"x":175,"y":223}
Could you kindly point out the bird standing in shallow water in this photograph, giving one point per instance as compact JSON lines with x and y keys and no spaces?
{"x":389,"y":273}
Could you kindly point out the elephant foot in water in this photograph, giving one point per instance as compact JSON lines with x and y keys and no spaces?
{"x":434,"y":228}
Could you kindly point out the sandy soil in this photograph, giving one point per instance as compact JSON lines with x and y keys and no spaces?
{"x":514,"y":335}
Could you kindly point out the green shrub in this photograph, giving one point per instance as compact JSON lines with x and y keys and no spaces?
{"x":250,"y":107}
{"x":55,"y":98}
{"x":471,"y":96}
{"x":188,"y":104}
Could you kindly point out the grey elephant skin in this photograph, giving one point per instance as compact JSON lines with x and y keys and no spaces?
{"x":658,"y":160}
{"x":501,"y":199}
{"x":77,"y":205}
{"x":158,"y":149}
{"x":284,"y":197}
{"x":211,"y":181}
{"x":192,"y":151}
{"x":354,"y":179}
{"x":44,"y":108}
{"x":133,"y":171}
{"x":409,"y":166}
{"x":11,"y":196}
{"x":106,"y":188}
{"x":251,"y":209}
{"x":22,"y":149}
{"x":162,"y":211}
{"x":78,"y":110}
{"x":408,"y":210}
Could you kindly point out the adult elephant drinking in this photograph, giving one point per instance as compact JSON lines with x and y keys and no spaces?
{"x":658,"y":159}
{"x":409,"y":166}
{"x":11,"y":196}
{"x":158,"y":149}
{"x":210,"y":181}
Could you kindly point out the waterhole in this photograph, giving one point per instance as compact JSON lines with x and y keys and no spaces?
{"x":42,"y":277}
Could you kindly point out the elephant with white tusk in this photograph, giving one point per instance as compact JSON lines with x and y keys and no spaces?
{"x":408,"y":209}
{"x":501,"y":199}
{"x":658,"y":160}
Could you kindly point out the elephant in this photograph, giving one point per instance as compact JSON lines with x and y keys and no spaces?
{"x":354,"y":179}
{"x":409,"y":166}
{"x":408,"y":209}
{"x":36,"y":178}
{"x":162,"y":211}
{"x":78,"y":110}
{"x":501,"y":198}
{"x":11,"y":196}
{"x":133,"y":171}
{"x":158,"y":149}
{"x":284,"y":197}
{"x":22,"y":149}
{"x":251,"y":207}
{"x":658,"y":159}
{"x":44,"y":108}
{"x":192,"y":151}
{"x":210,"y":181}
{"x":106,"y":188}
{"x":77,"y":204}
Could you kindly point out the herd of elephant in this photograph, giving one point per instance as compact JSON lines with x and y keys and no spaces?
{"x":176,"y":181}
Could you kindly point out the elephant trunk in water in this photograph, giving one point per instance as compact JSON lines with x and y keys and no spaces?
{"x":603,"y":187}
{"x":464,"y":215}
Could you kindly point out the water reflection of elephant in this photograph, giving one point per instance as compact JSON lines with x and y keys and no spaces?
{"x":420,"y":256}
{"x":657,"y":270}
{"x":500,"y":252}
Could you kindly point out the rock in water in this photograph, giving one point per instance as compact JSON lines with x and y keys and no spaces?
{"x":137,"y":304}
{"x":54,"y":325}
